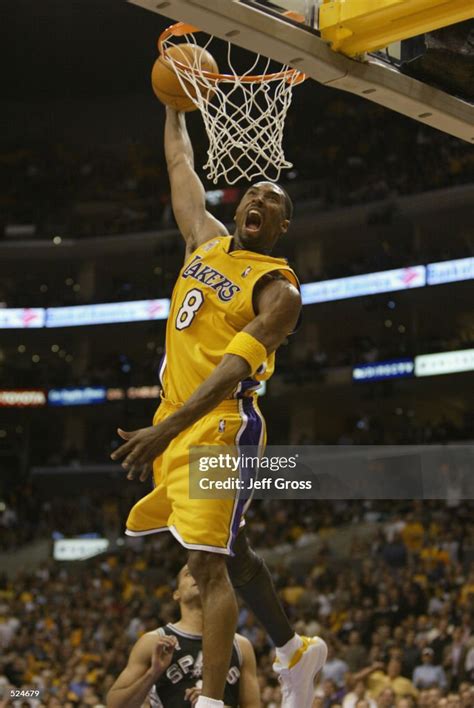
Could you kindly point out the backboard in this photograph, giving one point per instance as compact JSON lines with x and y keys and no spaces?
{"x":260,"y":26}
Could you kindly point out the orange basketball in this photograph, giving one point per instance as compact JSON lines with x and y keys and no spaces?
{"x":166,"y":83}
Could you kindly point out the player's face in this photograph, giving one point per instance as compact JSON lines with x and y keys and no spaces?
{"x":260,"y":217}
{"x":187,"y":586}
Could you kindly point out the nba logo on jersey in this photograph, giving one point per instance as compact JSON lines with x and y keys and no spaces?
{"x":208,"y":246}
{"x":246,"y":271}
{"x":221,"y":426}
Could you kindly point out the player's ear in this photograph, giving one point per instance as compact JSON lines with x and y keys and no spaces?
{"x":176,"y":596}
{"x":284,"y":226}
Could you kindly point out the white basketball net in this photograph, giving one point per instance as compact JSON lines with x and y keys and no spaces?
{"x":244,"y":115}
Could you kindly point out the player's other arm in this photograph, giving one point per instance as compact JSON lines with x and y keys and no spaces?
{"x":149,"y":658}
{"x":188,"y":197}
{"x":278,"y":305}
{"x":249,"y":690}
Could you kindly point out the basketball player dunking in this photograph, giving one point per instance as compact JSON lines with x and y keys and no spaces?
{"x":166,"y":665}
{"x":232,"y":306}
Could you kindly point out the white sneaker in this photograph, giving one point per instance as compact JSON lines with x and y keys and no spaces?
{"x":297,"y":680}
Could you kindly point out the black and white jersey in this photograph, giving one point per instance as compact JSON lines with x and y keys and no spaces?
{"x":185,"y":671}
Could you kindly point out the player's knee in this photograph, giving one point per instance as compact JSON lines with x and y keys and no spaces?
{"x":245,"y":564}
{"x":206,"y":567}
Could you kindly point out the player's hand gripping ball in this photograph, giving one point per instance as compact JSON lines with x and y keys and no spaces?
{"x":166,"y":84}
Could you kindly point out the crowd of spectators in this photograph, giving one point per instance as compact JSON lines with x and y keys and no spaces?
{"x":398,"y":619}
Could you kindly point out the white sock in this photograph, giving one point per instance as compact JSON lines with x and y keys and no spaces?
{"x":285,"y":653}
{"x":204,"y":702}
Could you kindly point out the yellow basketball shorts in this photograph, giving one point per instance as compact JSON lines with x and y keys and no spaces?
{"x":198,"y":524}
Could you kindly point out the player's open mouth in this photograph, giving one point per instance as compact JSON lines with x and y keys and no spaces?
{"x":253,"y":222}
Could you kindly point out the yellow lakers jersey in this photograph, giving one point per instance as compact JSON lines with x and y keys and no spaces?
{"x":211,"y":303}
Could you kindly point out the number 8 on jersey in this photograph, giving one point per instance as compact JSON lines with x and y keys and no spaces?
{"x":187,"y":312}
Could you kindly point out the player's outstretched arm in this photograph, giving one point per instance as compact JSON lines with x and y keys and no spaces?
{"x":149,"y":658}
{"x":249,"y":690}
{"x":278,"y":305}
{"x":188,"y":197}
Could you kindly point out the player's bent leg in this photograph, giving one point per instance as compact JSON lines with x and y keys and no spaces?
{"x":252,"y":580}
{"x":298,"y":659}
{"x":219,"y":618}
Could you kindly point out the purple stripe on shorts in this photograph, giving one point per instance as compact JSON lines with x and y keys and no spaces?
{"x":250,"y":438}
{"x":247,"y":385}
